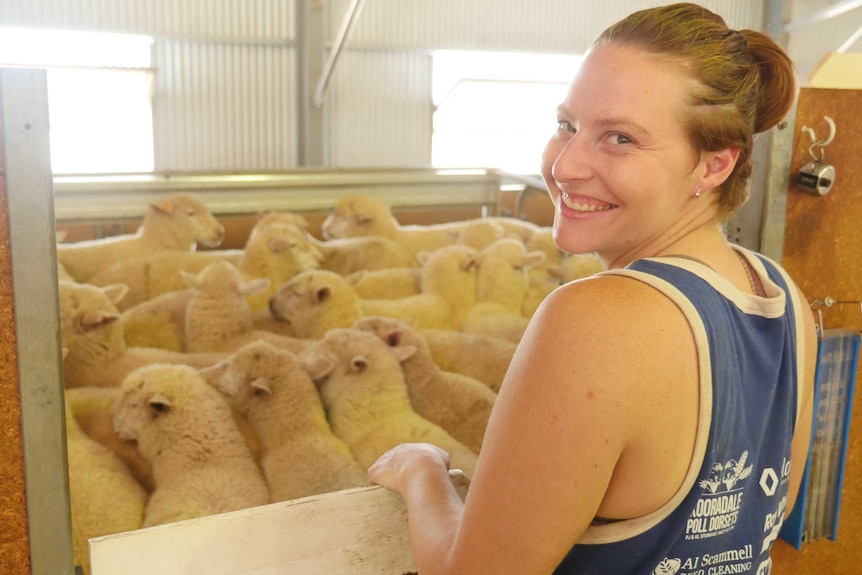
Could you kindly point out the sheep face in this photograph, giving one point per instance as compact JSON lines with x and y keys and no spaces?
{"x":88,"y":316}
{"x":284,"y":247}
{"x":309,"y":289}
{"x":254,"y":375}
{"x":393,"y":332}
{"x":355,"y":216}
{"x":191,"y":216}
{"x":362,"y":365}
{"x":159,"y":400}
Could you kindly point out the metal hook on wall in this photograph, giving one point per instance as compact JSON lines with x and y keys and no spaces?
{"x":815,"y":143}
{"x":817,"y":177}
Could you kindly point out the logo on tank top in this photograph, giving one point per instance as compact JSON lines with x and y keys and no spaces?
{"x":717,"y":510}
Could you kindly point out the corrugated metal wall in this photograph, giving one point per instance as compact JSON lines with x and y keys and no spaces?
{"x":225,"y":70}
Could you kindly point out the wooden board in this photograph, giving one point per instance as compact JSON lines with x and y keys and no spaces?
{"x":353,"y":532}
{"x":822,"y":253}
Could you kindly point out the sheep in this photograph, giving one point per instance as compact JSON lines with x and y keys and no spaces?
{"x":98,"y":354}
{"x":277,"y":252}
{"x":484,"y":358}
{"x":218,"y":316}
{"x":93,"y":410}
{"x":314,"y":302}
{"x":459,"y":404}
{"x":183,"y":426}
{"x":104,"y":497}
{"x":448,"y":283}
{"x":177,"y":221}
{"x":300,"y":455}
{"x":363,"y":390}
{"x":502,"y":282}
{"x":391,"y":283}
{"x":356,"y":215}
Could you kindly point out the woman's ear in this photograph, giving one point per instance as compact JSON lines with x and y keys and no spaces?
{"x":718,"y":166}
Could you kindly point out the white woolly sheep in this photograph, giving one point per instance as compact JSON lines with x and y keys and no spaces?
{"x":356,"y":215}
{"x":480,"y":233}
{"x":104,"y":497}
{"x":176,"y":222}
{"x":159,"y":322}
{"x":484,"y":358}
{"x":448,"y":283}
{"x":459,"y":404}
{"x":314,"y":302}
{"x":218,"y":316}
{"x":97,"y":351}
{"x":93,"y":410}
{"x":300,"y":455}
{"x":363,"y":390}
{"x":184,"y":427}
{"x":392,"y":283}
{"x":502,"y":281}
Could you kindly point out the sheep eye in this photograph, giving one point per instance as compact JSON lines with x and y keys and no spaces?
{"x":392,"y":339}
{"x":160,"y":408}
{"x":191,"y":213}
{"x":260,"y":393}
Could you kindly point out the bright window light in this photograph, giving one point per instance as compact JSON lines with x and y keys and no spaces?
{"x":497,"y":110}
{"x":99,"y":97}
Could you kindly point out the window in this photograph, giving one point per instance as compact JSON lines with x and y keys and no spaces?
{"x":496,"y":110}
{"x":99,"y":97}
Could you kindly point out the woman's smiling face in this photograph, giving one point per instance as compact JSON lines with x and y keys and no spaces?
{"x":620,"y":168}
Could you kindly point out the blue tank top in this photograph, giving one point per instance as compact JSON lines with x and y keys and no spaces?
{"x":729,"y":509}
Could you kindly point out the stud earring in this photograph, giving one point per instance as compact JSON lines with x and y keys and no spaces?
{"x":698,"y":192}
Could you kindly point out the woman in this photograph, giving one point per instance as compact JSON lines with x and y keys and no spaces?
{"x":649,"y":417}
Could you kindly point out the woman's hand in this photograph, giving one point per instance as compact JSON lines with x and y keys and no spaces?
{"x":394,"y":465}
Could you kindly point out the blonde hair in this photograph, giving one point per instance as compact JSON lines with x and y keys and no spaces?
{"x":742,"y":82}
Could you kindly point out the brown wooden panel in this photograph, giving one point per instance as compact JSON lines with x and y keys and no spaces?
{"x":822,"y":253}
{"x":14,"y":537}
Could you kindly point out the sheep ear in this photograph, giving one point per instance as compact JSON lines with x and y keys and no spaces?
{"x":165,"y":208}
{"x":322,"y":294}
{"x":277,"y":245}
{"x":358,"y":363}
{"x":96,"y":318}
{"x":318,"y":365}
{"x":531,"y":259}
{"x":215,"y":376}
{"x":254,"y":286}
{"x":261,"y":384}
{"x":467,"y":263}
{"x":115,"y":292}
{"x":160,"y":404}
{"x":555,"y":272}
{"x":404,"y":352}
{"x":191,"y":280}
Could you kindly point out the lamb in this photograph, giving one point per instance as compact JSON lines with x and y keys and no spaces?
{"x":176,"y":222}
{"x":502,"y":282}
{"x":183,"y":426}
{"x":541,"y":283}
{"x":363,"y":390}
{"x":300,"y":456}
{"x":105,"y":498}
{"x":480,"y":233}
{"x":275,"y":251}
{"x":484,"y":358}
{"x":219,"y":318}
{"x":448,"y":283}
{"x":356,"y":215}
{"x":93,"y":410}
{"x":98,"y":354}
{"x":459,"y":404}
{"x":314,"y":302}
